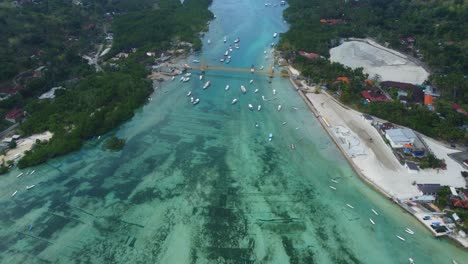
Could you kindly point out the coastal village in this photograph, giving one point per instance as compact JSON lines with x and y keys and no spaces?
{"x":390,"y":157}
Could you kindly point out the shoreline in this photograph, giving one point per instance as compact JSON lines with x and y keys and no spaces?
{"x":368,"y":181}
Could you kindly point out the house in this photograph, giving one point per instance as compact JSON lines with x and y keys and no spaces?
{"x":14,"y":115}
{"x":374,"y":96}
{"x":412,"y":167}
{"x":386,"y":126}
{"x":309,"y":55}
{"x":8,"y":89}
{"x":424,"y":199}
{"x":458,"y":108}
{"x":405,"y":89}
{"x":343,"y":79}
{"x":38,"y":72}
{"x":429,"y":188}
{"x":398,"y":137}
{"x":457,"y":203}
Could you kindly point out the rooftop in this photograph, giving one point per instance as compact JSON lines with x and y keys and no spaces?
{"x":429,"y":188}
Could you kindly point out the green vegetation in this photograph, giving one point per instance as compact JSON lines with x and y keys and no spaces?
{"x":55,"y":34}
{"x":439,"y":31}
{"x":114,"y":144}
{"x":3,"y":169}
{"x":155,"y":29}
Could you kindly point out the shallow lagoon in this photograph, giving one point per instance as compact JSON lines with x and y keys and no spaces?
{"x":202,"y":184}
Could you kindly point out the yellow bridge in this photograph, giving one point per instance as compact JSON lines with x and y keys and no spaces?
{"x":203,"y":67}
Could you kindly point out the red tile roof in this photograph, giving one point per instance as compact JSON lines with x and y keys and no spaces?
{"x":309,"y":55}
{"x":374,"y":96}
{"x":460,"y":203}
{"x":14,"y":113}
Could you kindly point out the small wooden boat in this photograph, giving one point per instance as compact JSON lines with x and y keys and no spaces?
{"x":331,"y":187}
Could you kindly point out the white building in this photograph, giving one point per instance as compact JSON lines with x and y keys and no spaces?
{"x":398,"y":137}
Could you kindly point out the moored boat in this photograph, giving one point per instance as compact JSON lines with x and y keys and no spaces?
{"x":206,"y":84}
{"x":409,"y":231}
{"x":250,"y":107}
{"x":196,"y":101}
{"x":259,"y":107}
{"x":225,"y":39}
{"x":274,"y":91}
{"x":375,"y":212}
{"x":196,"y":61}
{"x":335,"y":181}
{"x":201,"y":77}
{"x":192,"y":99}
{"x":237,"y":40}
{"x":399,"y":237}
{"x":173,"y":78}
{"x":279,"y":107}
{"x":411,"y":260}
{"x":14,"y":193}
{"x":372,"y":221}
{"x":331,"y":187}
{"x":189,"y":93}
{"x":19,"y":175}
{"x":256,"y":91}
{"x":234,"y":101}
{"x":30,"y":186}
{"x":236,"y":46}
{"x":188,"y":74}
{"x":243,"y":89}
{"x":227,"y":87}
{"x":350,"y":206}
{"x":251,"y":81}
{"x":222,"y":59}
{"x":275,"y":34}
{"x":209,"y":41}
{"x":261,"y":67}
{"x":270,"y":137}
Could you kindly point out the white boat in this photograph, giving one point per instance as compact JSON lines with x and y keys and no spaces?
{"x":32,"y":172}
{"x":250,"y":107}
{"x":274,"y":91}
{"x":236,"y":46}
{"x":399,"y":237}
{"x":411,"y":260}
{"x":14,"y":193}
{"x":206,"y":84}
{"x":243,"y":89}
{"x":331,"y":187}
{"x":264,"y":52}
{"x":222,"y":59}
{"x":237,"y":40}
{"x":225,"y":39}
{"x":196,"y":101}
{"x":30,"y":186}
{"x":227,"y":87}
{"x":19,"y":175}
{"x":263,"y":98}
{"x":372,"y":221}
{"x":196,"y":61}
{"x":256,"y":124}
{"x":275,"y":34}
{"x":259,"y":107}
{"x":192,"y":99}
{"x":173,"y":78}
{"x":186,"y":79}
{"x":201,"y":77}
{"x":226,"y":53}
{"x":409,"y":231}
{"x":261,"y":67}
{"x":230,"y":49}
{"x":293,"y":146}
{"x":279,"y":107}
{"x":335,"y":181}
{"x":350,"y":206}
{"x":209,"y":41}
{"x":454,"y":261}
{"x":284,"y":123}
{"x":189,"y":93}
{"x":251,"y":81}
{"x":188,"y":74}
{"x":375,"y":212}
{"x":228,"y":60}
{"x":234,"y":101}
{"x":256,"y":91}
{"x":270,"y":137}
{"x":182,"y":79}
{"x":272,"y":44}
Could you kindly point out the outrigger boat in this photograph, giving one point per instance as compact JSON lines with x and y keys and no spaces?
{"x":375,"y":212}
{"x":331,"y":187}
{"x":234,"y":101}
{"x":206,"y":84}
{"x":399,"y":237}
{"x":350,"y":206}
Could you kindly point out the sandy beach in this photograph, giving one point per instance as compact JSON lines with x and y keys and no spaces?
{"x":372,"y":157}
{"x":23,"y":145}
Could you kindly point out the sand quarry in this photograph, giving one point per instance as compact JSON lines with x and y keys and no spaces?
{"x":390,"y":65}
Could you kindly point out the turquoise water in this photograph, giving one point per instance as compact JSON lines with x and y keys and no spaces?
{"x":202,"y":184}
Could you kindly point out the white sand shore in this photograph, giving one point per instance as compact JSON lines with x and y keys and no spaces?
{"x":379,"y":165}
{"x":23,"y":145}
{"x":390,"y":65}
